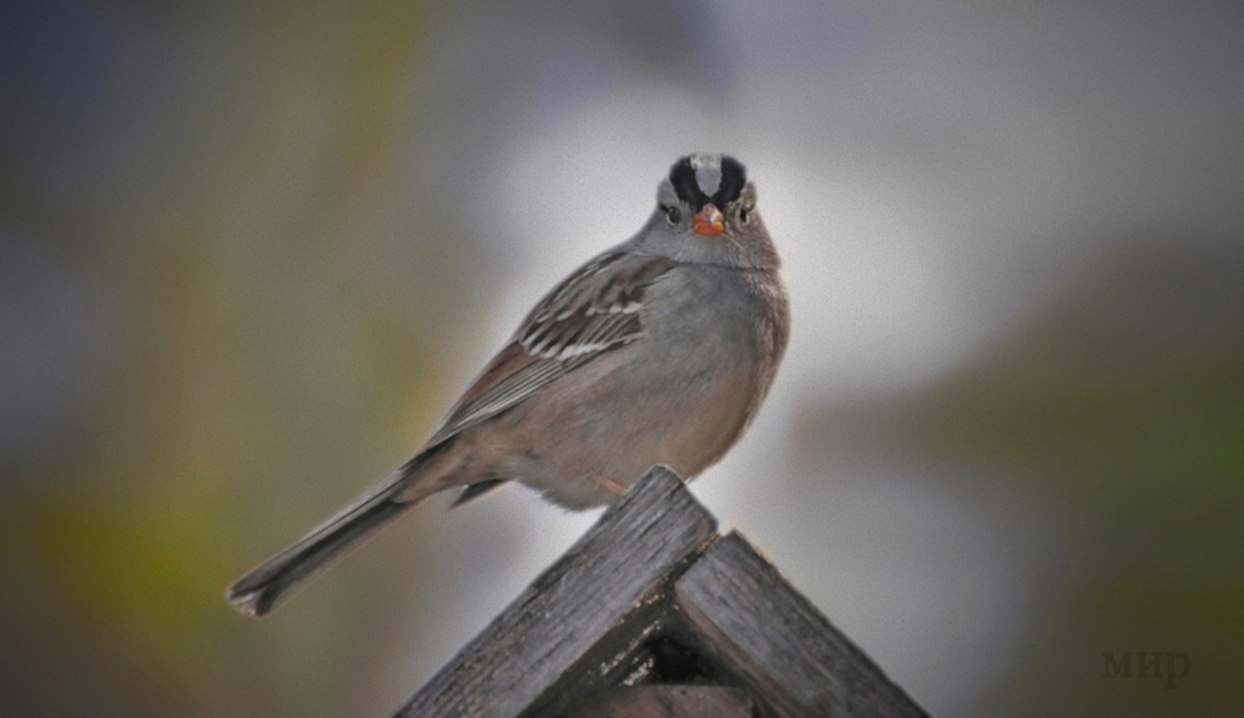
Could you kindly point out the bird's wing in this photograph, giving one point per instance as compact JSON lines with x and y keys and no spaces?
{"x":594,"y":310}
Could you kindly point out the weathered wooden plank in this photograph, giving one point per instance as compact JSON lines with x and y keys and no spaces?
{"x":756,"y":624}
{"x":623,"y":561}
{"x":650,"y":646}
{"x":669,"y":702}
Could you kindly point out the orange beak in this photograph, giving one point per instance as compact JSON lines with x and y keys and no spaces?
{"x":709,"y":221}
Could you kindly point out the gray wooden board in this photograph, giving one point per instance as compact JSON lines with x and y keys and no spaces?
{"x":650,"y":646}
{"x":755,"y":623}
{"x":670,"y":702}
{"x":623,"y":562}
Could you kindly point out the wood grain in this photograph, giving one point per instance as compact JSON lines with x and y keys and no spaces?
{"x":624,"y":563}
{"x":669,"y":702}
{"x":783,"y":648}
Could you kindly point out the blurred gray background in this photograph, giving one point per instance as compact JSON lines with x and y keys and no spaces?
{"x":249,"y":252}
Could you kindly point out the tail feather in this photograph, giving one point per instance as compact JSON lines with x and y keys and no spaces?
{"x":275,"y":580}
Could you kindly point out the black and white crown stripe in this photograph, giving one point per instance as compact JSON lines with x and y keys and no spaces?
{"x":700,"y":179}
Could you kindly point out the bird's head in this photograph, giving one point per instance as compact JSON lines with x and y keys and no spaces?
{"x":706,"y":214}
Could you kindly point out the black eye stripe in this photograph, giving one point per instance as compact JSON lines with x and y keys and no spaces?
{"x":733,"y":178}
{"x":682,"y":177}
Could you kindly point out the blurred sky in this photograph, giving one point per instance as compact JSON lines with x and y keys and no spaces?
{"x":249,"y":253}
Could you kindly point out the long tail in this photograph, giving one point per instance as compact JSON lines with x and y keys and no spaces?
{"x":268,"y":585}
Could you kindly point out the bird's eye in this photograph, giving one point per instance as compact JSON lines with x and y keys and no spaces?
{"x":744,"y":215}
{"x":672,"y":215}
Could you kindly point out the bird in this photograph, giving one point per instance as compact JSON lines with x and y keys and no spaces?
{"x":659,"y":350}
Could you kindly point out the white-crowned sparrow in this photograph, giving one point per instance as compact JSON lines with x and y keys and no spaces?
{"x":658,"y":351}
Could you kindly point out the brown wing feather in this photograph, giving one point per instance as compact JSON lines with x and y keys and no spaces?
{"x":591,"y":312}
